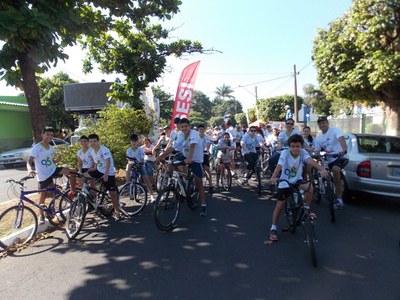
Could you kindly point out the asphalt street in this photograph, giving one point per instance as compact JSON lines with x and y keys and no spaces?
{"x":225,"y":255}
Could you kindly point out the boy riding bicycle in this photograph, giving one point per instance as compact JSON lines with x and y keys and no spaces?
{"x":291,"y":164}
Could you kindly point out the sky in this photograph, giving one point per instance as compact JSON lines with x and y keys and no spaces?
{"x":260,"y":42}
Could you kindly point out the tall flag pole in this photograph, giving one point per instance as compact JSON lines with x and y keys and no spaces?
{"x":184,"y":93}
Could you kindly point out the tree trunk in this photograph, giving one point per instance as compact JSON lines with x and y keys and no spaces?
{"x":31,"y":91}
{"x":392,"y":121}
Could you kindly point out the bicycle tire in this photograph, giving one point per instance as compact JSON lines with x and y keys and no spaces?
{"x":133,"y":198}
{"x":226,"y":178}
{"x":291,"y":214}
{"x":18,"y":226}
{"x":192,"y":197}
{"x":330,"y":197}
{"x":317,"y":194}
{"x":61,"y":205}
{"x":76,"y":217}
{"x":159,"y":179}
{"x":166,"y":209}
{"x":106,"y":206}
{"x":310,"y":239}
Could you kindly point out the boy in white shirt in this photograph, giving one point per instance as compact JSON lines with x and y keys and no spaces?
{"x":291,"y":162}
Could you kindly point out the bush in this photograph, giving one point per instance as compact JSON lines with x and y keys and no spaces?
{"x":114,"y":128}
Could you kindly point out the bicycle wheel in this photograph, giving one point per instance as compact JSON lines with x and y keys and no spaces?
{"x":291,"y":214}
{"x":310,"y":238}
{"x":226,"y":178}
{"x":192,"y":197}
{"x":330,"y":197}
{"x":159,"y":179}
{"x":133,"y":198}
{"x":18,"y":225}
{"x":106,"y":206}
{"x":317,"y":190}
{"x":76,"y":217}
{"x":61,"y":205}
{"x":166,"y":209}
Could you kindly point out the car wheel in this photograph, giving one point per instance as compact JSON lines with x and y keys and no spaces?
{"x":347,"y":194}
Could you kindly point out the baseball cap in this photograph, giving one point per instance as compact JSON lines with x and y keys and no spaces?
{"x":322,"y":118}
{"x":166,"y":127}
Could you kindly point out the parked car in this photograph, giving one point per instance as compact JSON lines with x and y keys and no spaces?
{"x":374,"y":165}
{"x":21,"y":155}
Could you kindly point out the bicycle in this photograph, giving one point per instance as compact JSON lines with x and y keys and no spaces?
{"x":19,"y":223}
{"x":297,"y":213}
{"x":133,"y":195}
{"x":88,"y":199}
{"x":226,"y":176}
{"x":325,"y":187}
{"x":167,"y":205}
{"x":258,"y":169}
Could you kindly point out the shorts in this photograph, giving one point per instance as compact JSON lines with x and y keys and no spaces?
{"x":206,"y":160}
{"x":49,"y":181}
{"x":149,"y":168}
{"x":109,"y":185}
{"x":284,"y":193}
{"x":197,"y":169}
{"x":141,"y":170}
{"x":341,"y":162}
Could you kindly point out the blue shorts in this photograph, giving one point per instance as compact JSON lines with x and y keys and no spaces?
{"x":197,"y":169}
{"x":149,"y":167}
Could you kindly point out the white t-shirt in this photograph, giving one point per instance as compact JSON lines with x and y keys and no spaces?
{"x":44,"y":164}
{"x":205,"y":140}
{"x":283,"y":136}
{"x":86,"y":158}
{"x":193,"y":138}
{"x":329,"y":141}
{"x":251,"y":142}
{"x":138,"y":153}
{"x":100,"y":157}
{"x":292,"y":168}
{"x":177,"y":146}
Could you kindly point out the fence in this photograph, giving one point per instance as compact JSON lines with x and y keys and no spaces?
{"x":375,"y":123}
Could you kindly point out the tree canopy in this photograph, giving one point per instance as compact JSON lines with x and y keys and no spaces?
{"x":120,"y":36}
{"x":358,"y":56}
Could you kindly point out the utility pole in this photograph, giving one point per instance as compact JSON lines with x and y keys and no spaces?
{"x":296,"y":113}
{"x":257,"y":112}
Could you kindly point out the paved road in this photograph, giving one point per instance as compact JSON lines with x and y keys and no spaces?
{"x":17,"y":173}
{"x":221,"y":256}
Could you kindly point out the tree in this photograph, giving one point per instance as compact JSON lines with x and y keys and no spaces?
{"x":358,"y":56}
{"x":166,"y":104}
{"x":318,"y":100}
{"x":233,"y":106}
{"x":274,"y":108}
{"x":121,"y":36}
{"x":202,"y":105}
{"x":52,"y":97}
{"x":224,"y":92}
{"x":197,"y":118}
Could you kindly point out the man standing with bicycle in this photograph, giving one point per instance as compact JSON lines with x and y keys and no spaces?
{"x":42,"y":157}
{"x":332,"y":141}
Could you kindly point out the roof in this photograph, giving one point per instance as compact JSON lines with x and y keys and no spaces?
{"x":13,"y":103}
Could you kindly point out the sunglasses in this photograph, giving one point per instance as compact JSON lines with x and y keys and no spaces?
{"x":289,"y":123}
{"x":252,"y":130}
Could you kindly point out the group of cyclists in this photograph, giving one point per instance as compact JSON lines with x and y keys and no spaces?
{"x":289,"y":154}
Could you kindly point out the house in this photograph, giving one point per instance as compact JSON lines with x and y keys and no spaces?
{"x":15,"y":123}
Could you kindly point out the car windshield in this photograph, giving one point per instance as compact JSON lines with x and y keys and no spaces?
{"x":379,"y":144}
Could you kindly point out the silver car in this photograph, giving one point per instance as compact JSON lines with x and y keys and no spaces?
{"x":374,"y":165}
{"x":21,"y":155}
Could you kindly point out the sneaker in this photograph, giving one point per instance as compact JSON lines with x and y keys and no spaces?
{"x":338,"y":205}
{"x":41,"y":220}
{"x":203,"y":211}
{"x":244,"y":180}
{"x":152,"y":199}
{"x":273,"y":236}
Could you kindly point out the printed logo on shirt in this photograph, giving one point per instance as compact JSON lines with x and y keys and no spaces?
{"x":46,"y":162}
{"x":291,"y":173}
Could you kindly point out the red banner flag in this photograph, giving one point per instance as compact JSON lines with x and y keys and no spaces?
{"x":184,"y":93}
